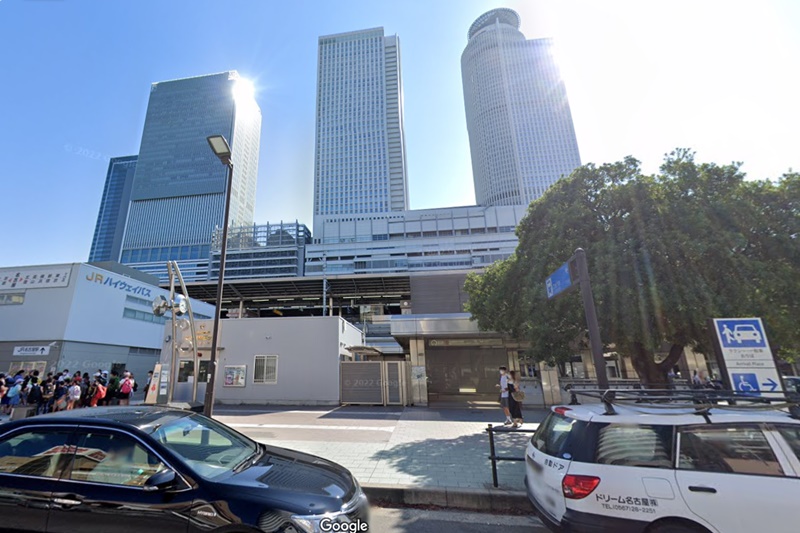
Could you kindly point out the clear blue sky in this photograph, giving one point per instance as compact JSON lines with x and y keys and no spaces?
{"x":642,"y":78}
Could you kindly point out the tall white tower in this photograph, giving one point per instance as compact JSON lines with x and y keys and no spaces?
{"x":360,"y":163}
{"x":521,"y":135}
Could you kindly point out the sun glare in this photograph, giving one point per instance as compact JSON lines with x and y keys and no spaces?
{"x":244,"y":91}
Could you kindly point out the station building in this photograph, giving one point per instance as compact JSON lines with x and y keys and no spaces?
{"x":81,"y":317}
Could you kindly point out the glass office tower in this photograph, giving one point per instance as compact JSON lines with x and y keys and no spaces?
{"x":360,"y":164}
{"x":521,"y":135}
{"x":178,"y":192}
{"x":110,"y":227}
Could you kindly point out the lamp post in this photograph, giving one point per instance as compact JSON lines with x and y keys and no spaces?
{"x":222,"y":150}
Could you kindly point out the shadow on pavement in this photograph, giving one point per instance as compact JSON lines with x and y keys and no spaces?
{"x":462,"y":461}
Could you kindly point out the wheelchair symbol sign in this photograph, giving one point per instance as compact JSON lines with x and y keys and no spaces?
{"x":745,"y":382}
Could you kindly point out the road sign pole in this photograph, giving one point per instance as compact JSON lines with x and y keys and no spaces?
{"x":591,"y":319}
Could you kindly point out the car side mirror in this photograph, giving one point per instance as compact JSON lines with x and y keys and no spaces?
{"x":160,"y":481}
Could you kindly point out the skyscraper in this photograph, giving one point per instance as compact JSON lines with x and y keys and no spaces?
{"x":521,"y":135}
{"x":110,"y":227}
{"x":360,"y":164}
{"x":178,"y":192}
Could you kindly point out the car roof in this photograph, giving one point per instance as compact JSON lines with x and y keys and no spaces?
{"x":136,"y":416}
{"x":664,"y":414}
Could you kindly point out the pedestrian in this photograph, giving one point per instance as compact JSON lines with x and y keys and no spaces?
{"x":697,"y":382}
{"x":99,"y":392}
{"x":504,"y":395}
{"x":125,"y":388}
{"x":61,"y":394}
{"x":514,"y":399}
{"x":74,"y":394}
{"x":14,"y":395}
{"x":3,"y":395}
{"x":112,"y":389}
{"x":35,"y":397}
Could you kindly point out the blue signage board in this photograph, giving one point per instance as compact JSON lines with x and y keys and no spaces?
{"x":558,"y":281}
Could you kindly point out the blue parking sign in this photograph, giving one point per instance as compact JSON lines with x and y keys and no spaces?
{"x":741,"y":333}
{"x":745,"y":382}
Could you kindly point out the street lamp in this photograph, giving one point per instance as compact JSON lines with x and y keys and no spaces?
{"x":222,"y":150}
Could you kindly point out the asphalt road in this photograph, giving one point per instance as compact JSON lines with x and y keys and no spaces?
{"x":385,"y":520}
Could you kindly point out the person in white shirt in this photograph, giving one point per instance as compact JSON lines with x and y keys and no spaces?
{"x":504,"y":395}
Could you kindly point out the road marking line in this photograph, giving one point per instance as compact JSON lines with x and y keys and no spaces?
{"x":311,"y":426}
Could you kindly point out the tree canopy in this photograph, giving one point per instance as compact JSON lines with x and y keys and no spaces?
{"x":666,"y":252}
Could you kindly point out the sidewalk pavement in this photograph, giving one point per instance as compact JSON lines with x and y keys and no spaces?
{"x":432,"y":456}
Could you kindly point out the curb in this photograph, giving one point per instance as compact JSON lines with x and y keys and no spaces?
{"x":486,"y":500}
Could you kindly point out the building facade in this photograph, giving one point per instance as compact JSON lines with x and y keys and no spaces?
{"x":262,"y":251}
{"x":521,"y":134}
{"x":81,"y":317}
{"x":360,"y":163}
{"x":451,"y":238}
{"x":110,"y":227}
{"x":178,"y":192}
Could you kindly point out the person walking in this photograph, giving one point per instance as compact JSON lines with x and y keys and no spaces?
{"x":112,"y":389}
{"x":504,"y":395}
{"x":514,"y":405}
{"x":74,"y":395}
{"x":125,"y":389}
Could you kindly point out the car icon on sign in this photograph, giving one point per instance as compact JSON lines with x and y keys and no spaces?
{"x":746,"y":332}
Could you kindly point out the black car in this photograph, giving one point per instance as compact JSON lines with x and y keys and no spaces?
{"x":151,"y":469}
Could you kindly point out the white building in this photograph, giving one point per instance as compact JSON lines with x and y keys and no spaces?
{"x":452,"y":238}
{"x":360,"y":164}
{"x":287,"y":361}
{"x":81,"y":317}
{"x":520,"y":127}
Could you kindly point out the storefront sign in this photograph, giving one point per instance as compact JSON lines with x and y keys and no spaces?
{"x":31,"y":350}
{"x":34,"y":278}
{"x":464,"y":342}
{"x":120,"y":284}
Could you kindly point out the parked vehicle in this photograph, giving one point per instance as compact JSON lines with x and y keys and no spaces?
{"x":148,"y":469}
{"x":657,"y":467}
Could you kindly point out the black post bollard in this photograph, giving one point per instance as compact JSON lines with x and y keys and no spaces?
{"x":492,"y":455}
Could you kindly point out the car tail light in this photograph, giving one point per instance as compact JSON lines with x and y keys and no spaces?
{"x":578,"y":487}
{"x":562,"y":410}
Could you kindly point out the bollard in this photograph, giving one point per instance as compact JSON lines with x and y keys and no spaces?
{"x":492,"y":455}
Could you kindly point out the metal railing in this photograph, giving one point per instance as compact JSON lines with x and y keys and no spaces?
{"x":493,"y":452}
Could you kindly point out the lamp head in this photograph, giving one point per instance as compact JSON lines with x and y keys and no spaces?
{"x":220,"y":147}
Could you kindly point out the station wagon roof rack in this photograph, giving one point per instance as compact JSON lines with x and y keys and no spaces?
{"x":701,"y":400}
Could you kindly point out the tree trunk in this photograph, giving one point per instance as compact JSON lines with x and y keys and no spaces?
{"x":652,"y":374}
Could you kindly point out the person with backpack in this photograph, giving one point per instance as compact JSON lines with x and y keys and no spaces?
{"x":125,"y":389}
{"x":112,"y":389}
{"x":35,"y":396}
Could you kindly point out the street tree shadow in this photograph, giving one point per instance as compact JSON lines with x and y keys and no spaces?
{"x":462,"y":461}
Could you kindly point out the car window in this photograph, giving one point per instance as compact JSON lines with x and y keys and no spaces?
{"x":113,"y":459}
{"x":634,"y":445}
{"x":35,"y":453}
{"x":792,"y":436}
{"x":552,"y":436}
{"x":209,"y":447}
{"x":735,"y":450}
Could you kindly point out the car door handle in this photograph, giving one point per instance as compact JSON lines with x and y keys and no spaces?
{"x":697,"y":488}
{"x":66,"y":501}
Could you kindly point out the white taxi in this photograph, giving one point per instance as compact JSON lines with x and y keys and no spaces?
{"x":632,"y":467}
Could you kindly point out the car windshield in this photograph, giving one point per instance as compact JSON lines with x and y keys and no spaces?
{"x":208,"y":447}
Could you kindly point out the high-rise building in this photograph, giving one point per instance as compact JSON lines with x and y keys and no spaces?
{"x":110,"y":227}
{"x":360,"y":164}
{"x":520,"y":127}
{"x":178,"y":193}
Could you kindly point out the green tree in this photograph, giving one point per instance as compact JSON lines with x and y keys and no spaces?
{"x":666,"y":253}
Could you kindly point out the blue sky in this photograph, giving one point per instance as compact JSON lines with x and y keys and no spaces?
{"x":642,"y":78}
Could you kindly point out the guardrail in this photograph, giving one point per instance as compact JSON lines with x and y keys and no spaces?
{"x":493,"y":453}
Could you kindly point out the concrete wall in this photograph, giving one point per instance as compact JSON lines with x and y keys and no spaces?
{"x":309,"y":350}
